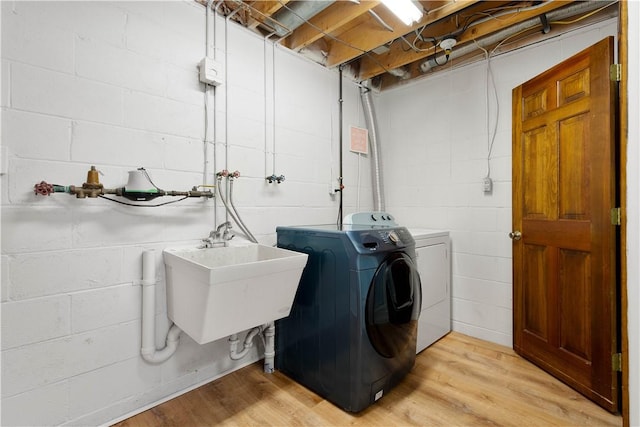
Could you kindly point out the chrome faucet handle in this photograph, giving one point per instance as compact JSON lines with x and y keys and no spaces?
{"x":226,"y":225}
{"x":227,"y":235}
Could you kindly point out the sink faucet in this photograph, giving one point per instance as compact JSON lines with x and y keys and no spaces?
{"x":226,"y":225}
{"x":218,"y":237}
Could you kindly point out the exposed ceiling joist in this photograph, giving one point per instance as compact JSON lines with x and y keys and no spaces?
{"x":264,"y":9}
{"x":367,"y":37}
{"x":372,"y":34}
{"x":326,"y":22}
{"x":397,"y":56}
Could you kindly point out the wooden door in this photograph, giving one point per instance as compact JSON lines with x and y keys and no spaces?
{"x":564,"y":248}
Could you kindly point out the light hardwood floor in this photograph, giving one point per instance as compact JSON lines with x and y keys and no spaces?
{"x":458,"y":381}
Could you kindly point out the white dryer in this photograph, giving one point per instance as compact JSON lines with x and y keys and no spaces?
{"x":433,"y":253}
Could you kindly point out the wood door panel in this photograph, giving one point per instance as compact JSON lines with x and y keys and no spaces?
{"x":574,"y":370}
{"x":540,"y":191}
{"x":575,"y":299}
{"x":561,"y":233}
{"x":535,"y":104}
{"x":563,"y":112}
{"x":574,"y":87}
{"x":564,"y":284}
{"x":574,"y":168}
{"x":534,"y":285}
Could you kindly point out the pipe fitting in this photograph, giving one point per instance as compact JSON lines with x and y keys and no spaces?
{"x":87,"y":190}
{"x":234,"y":354}
{"x":269,"y":333}
{"x":274,"y":178}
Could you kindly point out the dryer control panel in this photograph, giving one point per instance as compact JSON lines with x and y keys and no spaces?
{"x":370,"y":218}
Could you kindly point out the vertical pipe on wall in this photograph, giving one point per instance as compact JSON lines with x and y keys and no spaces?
{"x":340,"y":184}
{"x":207,"y":153}
{"x":374,"y":142}
{"x":226,"y":101}
{"x":266,"y":151}
{"x":273,"y":105}
{"x":269,"y":333}
{"x":148,"y":348}
{"x":209,"y":95}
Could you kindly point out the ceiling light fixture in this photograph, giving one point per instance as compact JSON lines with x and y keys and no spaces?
{"x":447,"y":45}
{"x":405,"y":10}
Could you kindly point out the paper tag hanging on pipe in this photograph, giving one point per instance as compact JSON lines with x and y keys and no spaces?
{"x":359,"y":137}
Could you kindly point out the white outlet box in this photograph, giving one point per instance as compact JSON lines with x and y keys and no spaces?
{"x":211,"y":72}
{"x":487,"y":185}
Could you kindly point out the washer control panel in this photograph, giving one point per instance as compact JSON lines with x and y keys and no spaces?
{"x":383,"y":239}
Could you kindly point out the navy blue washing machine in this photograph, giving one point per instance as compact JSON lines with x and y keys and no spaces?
{"x":351,"y":334}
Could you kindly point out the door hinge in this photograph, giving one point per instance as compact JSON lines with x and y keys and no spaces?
{"x":615,"y":72}
{"x":616,"y":216}
{"x":616,"y":362}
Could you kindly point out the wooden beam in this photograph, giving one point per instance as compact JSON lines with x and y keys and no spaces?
{"x":372,"y":34}
{"x":397,"y":57}
{"x":327,"y":22}
{"x":263,"y":8}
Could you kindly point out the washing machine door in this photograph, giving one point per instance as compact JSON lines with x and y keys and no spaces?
{"x":393,"y":305}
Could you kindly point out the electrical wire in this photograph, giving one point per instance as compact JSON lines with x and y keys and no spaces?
{"x":506,"y":10}
{"x":146,"y":174}
{"x":585,"y":16}
{"x":142,"y":206}
{"x":435,"y":57}
{"x":491,"y":134}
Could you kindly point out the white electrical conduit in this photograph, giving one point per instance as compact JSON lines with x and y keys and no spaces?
{"x":581,"y":7}
{"x":209,"y":94}
{"x":266,"y":151}
{"x":148,"y":349}
{"x":226,"y":101}
{"x":273,"y":105}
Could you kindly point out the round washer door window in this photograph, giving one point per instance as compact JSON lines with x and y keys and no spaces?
{"x":393,"y":305}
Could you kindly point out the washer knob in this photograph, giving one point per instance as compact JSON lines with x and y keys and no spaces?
{"x":393,"y":236}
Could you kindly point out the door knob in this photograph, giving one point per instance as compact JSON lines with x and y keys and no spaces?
{"x":515,"y":235}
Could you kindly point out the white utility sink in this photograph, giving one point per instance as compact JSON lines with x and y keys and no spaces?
{"x":215,"y":292}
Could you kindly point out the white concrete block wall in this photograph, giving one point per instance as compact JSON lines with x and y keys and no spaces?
{"x":114,"y":84}
{"x":434,"y":135}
